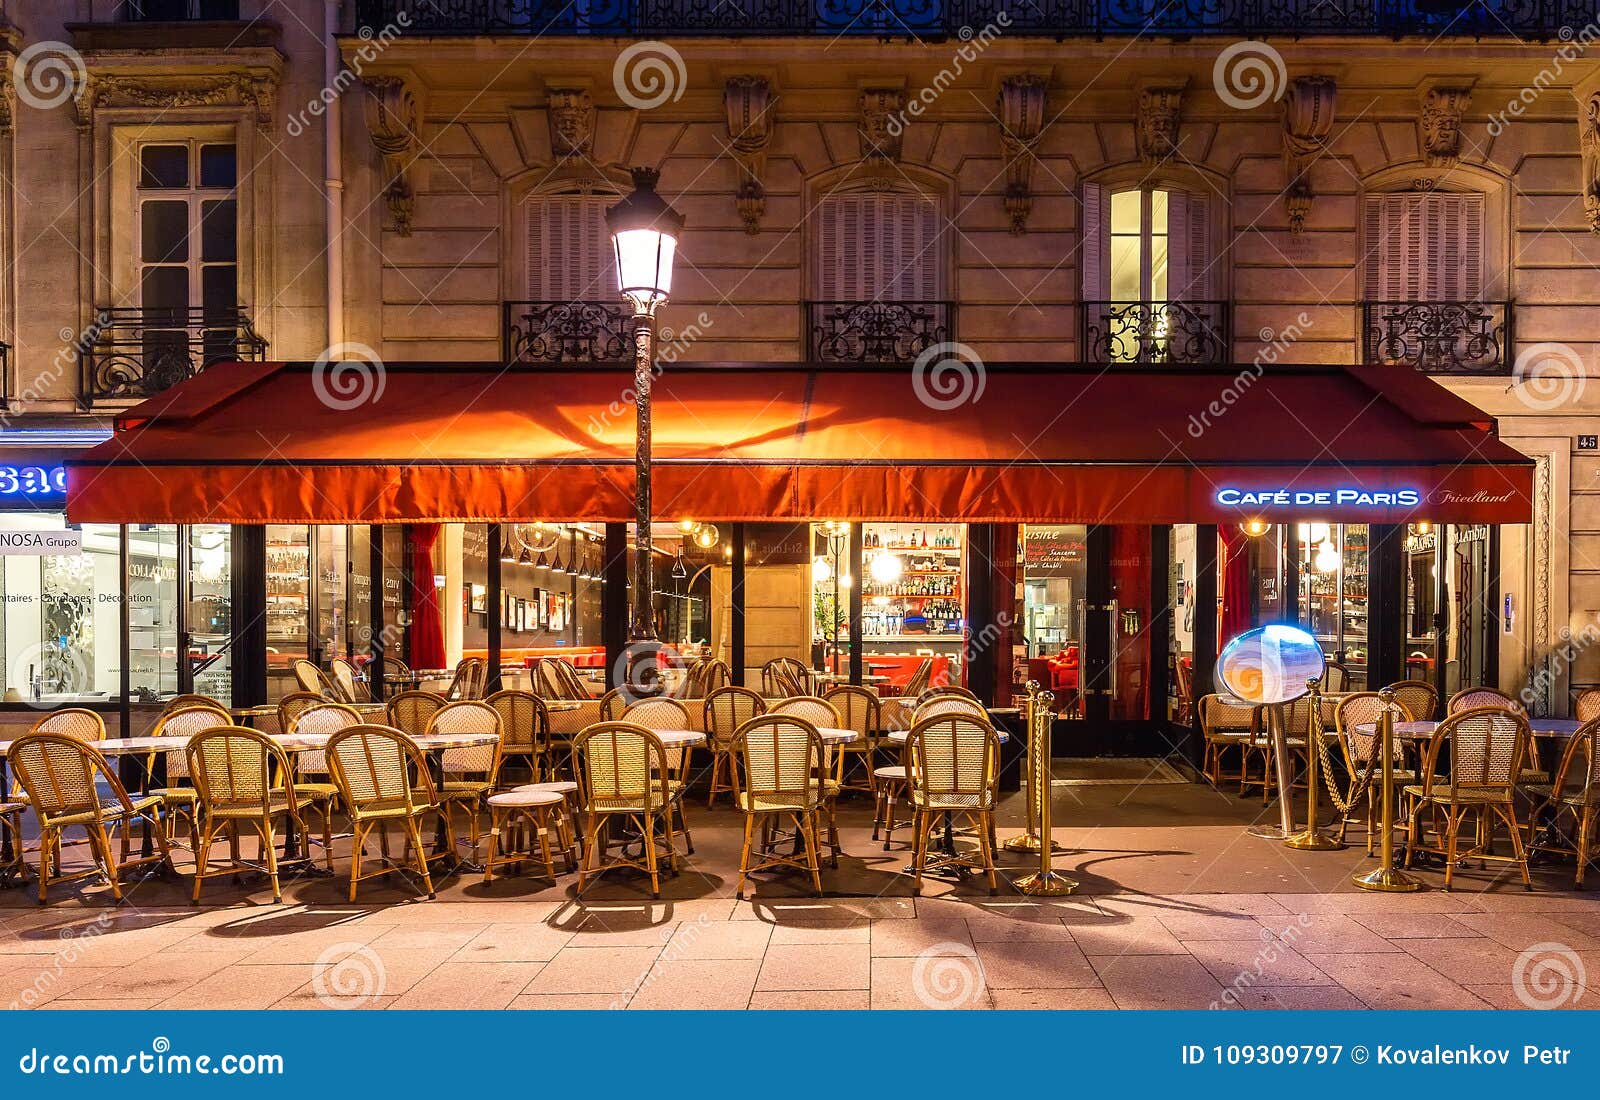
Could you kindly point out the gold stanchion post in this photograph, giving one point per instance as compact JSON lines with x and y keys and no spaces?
{"x":1045,"y":882}
{"x":1387,"y":877}
{"x":1028,"y":842}
{"x":1312,"y":839}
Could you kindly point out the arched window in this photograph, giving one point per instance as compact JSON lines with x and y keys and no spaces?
{"x":1150,"y":276}
{"x":877,"y":277}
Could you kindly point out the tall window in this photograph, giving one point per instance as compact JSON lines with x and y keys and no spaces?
{"x":1146,"y":244}
{"x":872,"y":246}
{"x":568,"y":255}
{"x":188,"y":227}
{"x":1424,"y":247}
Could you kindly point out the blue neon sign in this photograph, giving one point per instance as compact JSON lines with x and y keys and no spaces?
{"x":32,"y":486}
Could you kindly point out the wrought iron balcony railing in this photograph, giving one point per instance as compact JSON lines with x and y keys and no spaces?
{"x":1155,"y":332}
{"x":1439,"y":337}
{"x":876,"y":332}
{"x":924,"y":19}
{"x":566,"y":332}
{"x":180,"y":11}
{"x":132,"y":353}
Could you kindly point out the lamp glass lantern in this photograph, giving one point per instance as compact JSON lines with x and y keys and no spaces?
{"x":644,"y":233}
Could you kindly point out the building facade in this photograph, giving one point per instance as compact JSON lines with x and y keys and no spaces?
{"x":1409,"y":185}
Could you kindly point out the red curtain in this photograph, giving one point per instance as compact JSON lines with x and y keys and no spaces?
{"x":427,"y":628}
{"x":1235,"y":617}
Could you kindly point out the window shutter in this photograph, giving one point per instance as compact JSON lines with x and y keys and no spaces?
{"x":569,"y":256}
{"x":877,"y":246}
{"x":1424,"y":248}
{"x":1188,"y":246}
{"x":1094,"y":250}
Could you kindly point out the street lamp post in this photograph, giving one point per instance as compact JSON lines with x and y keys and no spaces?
{"x":644,"y":232}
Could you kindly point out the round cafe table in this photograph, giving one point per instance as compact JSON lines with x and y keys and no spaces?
{"x":1553,"y":729}
{"x":900,"y":737}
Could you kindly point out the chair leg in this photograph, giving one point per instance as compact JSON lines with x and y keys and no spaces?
{"x":1585,"y":827}
{"x":542,"y":824}
{"x":102,"y":846}
{"x":270,"y":851}
{"x":422,"y":854}
{"x":202,"y":847}
{"x":919,"y":847}
{"x":358,"y":833}
{"x":494,"y":845}
{"x":986,"y":845}
{"x":1517,"y":849}
{"x":648,"y":831}
{"x":1453,"y":831}
{"x":807,"y":824}
{"x":744,"y":853}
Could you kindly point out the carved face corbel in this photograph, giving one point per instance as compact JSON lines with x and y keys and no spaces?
{"x":1439,"y":118}
{"x":1308,"y":109}
{"x":1160,"y":112}
{"x":572,"y":117}
{"x":882,"y":124}
{"x":392,"y":121}
{"x":749,"y":103}
{"x":1021,"y":114}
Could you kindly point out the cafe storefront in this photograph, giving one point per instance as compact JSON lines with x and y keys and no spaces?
{"x":1087,"y":528}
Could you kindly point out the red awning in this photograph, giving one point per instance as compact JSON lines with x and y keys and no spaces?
{"x":254,"y":443}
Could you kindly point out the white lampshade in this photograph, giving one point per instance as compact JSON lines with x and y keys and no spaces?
{"x":886,"y":567}
{"x":644,"y":231}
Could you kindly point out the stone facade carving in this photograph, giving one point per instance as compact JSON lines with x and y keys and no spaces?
{"x":392,"y":121}
{"x":1156,"y":132}
{"x":882,"y":124}
{"x":1021,"y":114}
{"x":572,"y":117}
{"x":749,"y":103}
{"x":1440,"y":122}
{"x":1308,"y":109}
{"x":255,"y":90}
{"x":1589,"y":146}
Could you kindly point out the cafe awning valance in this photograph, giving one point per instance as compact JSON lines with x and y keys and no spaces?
{"x":281,"y":443}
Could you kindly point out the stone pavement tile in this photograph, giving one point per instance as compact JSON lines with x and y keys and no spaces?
{"x":1202,"y":925}
{"x":908,"y":938}
{"x":569,"y":1001}
{"x":853,"y":930}
{"x":1355,"y":902}
{"x":1255,"y":905}
{"x":1518,"y":930}
{"x":125,"y":1004}
{"x":474,"y":985}
{"x":534,"y":942}
{"x":479,"y":912}
{"x":1584,"y":921}
{"x":1277,"y":997}
{"x":308,"y":998}
{"x":1157,"y":981}
{"x":1074,"y":1000}
{"x":1511,"y":897}
{"x":1327,"y":932}
{"x":1388,"y":981}
{"x":243,"y":987}
{"x":729,"y":939}
{"x":1555,"y":996}
{"x":1033,"y":964}
{"x":161,"y":976}
{"x":815,"y":966}
{"x":448,"y":938}
{"x":810,"y":910}
{"x":1239,"y":964}
{"x":33,"y":987}
{"x":1406,"y":926}
{"x":929,"y":982}
{"x":812,"y":1000}
{"x":308,"y":946}
{"x":1121,"y":931}
{"x":613,"y":970}
{"x":710,"y":983}
{"x":1481,"y":961}
{"x":993,"y":928}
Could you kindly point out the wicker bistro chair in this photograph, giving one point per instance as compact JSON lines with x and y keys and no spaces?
{"x":233,"y":771}
{"x":932,"y":706}
{"x":468,"y":681}
{"x":410,"y":711}
{"x":313,"y":679}
{"x":1475,"y":697}
{"x":1229,"y":724}
{"x":1586,"y":707}
{"x":374,"y":767}
{"x":524,"y":730}
{"x":469,"y":774}
{"x":1362,"y":761}
{"x":397,"y":675}
{"x":781,"y":757}
{"x":179,"y":702}
{"x":717,"y":675}
{"x":955,"y":769}
{"x":349,"y":684}
{"x":821,"y":714}
{"x":1574,"y":793}
{"x":726,"y":709}
{"x":623,"y":773}
{"x":314,"y":785}
{"x":1487,"y":748}
{"x":946,"y":689}
{"x":178,"y":795}
{"x":294,"y":704}
{"x":74,"y":722}
{"x":64,"y":777}
{"x":859,"y":709}
{"x":1419,"y":697}
{"x":612,"y":704}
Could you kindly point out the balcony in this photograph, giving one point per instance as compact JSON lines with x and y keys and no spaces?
{"x":876,"y":332}
{"x":1438,"y":337}
{"x":924,"y":19}
{"x":565,"y":332}
{"x":1184,"y":333}
{"x":132,"y":353}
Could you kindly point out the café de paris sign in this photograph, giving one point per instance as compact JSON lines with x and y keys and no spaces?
{"x":1348,"y":497}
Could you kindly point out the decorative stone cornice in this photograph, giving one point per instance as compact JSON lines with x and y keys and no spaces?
{"x":571,"y":113}
{"x":1589,"y":148}
{"x":1440,"y":107}
{"x":1021,"y":113}
{"x":1308,"y":109}
{"x":749,"y":103}
{"x":393,"y":118}
{"x":1156,"y":132}
{"x":881,"y":124}
{"x":255,"y":90}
